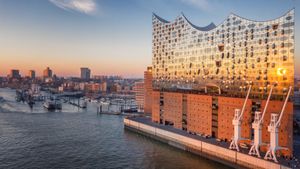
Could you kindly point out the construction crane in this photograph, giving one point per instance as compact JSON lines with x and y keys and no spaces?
{"x":273,"y":129}
{"x":237,"y":120}
{"x":257,"y":126}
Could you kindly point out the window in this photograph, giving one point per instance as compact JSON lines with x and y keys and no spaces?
{"x":284,"y":58}
{"x":221,"y":47}
{"x":274,"y":26}
{"x":218,"y":64}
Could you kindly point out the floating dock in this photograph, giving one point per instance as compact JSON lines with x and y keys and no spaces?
{"x":208,"y":148}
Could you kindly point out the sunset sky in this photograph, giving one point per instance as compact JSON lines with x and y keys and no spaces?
{"x":108,"y":36}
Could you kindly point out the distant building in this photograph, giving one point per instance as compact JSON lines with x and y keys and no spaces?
{"x":47,"y":73}
{"x":139,"y":91}
{"x":67,"y":86}
{"x":100,"y":77}
{"x":126,"y":89}
{"x":14,"y":73}
{"x":94,"y":87}
{"x":48,"y":80}
{"x":85,"y":73}
{"x":82,"y":86}
{"x":104,"y":87}
{"x":116,"y":88}
{"x":31,"y":74}
{"x":148,"y":90}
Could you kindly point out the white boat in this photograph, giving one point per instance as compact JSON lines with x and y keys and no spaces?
{"x":94,"y":101}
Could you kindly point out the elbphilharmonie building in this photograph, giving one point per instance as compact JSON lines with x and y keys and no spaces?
{"x":201,"y":75}
{"x":228,"y":56}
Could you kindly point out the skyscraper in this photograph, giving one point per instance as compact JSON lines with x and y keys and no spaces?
{"x":14,"y":73}
{"x":31,"y":74}
{"x":85,"y":73}
{"x":47,"y":73}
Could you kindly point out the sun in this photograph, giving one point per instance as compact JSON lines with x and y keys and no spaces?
{"x":281,"y":71}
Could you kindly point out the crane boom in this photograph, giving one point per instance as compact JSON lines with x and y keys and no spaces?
{"x":243,"y":109}
{"x":236,"y":122}
{"x":273,"y":129}
{"x":267,"y":103}
{"x":283,"y":107}
{"x":257,"y":126}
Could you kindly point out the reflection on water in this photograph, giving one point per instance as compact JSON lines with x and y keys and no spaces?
{"x":75,"y":138}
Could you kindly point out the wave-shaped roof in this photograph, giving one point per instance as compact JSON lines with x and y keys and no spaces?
{"x":212,"y":26}
{"x":205,"y":28}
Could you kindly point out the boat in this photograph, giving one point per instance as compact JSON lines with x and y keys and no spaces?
{"x":50,"y":105}
{"x":1,"y":99}
{"x":130,"y":110}
{"x":58,"y":105}
{"x":94,"y":101}
{"x":83,"y":103}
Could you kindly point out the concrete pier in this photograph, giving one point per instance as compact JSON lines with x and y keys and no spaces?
{"x":196,"y":145}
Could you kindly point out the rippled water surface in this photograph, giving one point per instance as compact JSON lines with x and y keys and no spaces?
{"x":76,"y":138}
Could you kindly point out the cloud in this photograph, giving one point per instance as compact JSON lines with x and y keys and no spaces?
{"x":202,"y":4}
{"x":83,"y":6}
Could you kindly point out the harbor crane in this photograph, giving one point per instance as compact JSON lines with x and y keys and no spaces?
{"x":273,"y":129}
{"x":257,"y":127}
{"x":237,"y":120}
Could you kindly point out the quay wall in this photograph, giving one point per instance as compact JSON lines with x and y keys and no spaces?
{"x":217,"y":153}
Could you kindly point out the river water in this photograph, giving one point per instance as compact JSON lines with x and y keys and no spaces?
{"x":75,"y":138}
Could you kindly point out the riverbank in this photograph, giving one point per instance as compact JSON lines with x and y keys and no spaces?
{"x":208,"y":148}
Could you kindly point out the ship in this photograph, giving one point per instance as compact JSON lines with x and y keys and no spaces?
{"x":52,"y":105}
{"x":49,"y":104}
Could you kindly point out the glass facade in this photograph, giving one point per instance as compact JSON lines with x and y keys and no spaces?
{"x":224,"y":58}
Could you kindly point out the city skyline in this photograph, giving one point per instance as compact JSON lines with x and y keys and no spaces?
{"x":33,"y":73}
{"x":109,"y":37}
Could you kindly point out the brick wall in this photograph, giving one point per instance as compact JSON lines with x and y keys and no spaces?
{"x":227,"y":106}
{"x":199,"y":113}
{"x":173,"y":108}
{"x":285,"y":132}
{"x":155,"y":106}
